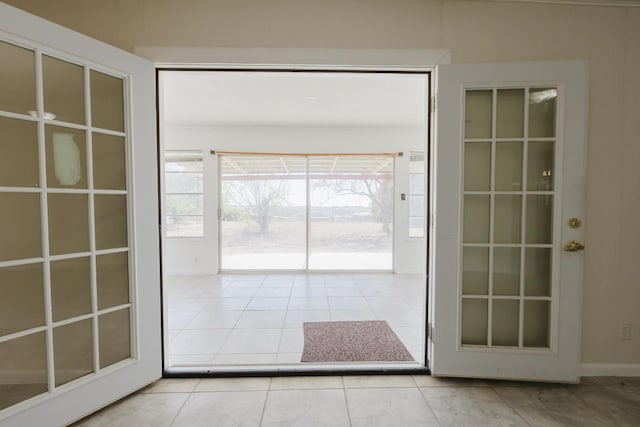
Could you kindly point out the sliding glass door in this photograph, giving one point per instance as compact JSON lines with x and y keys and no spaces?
{"x":263,"y":214}
{"x":306,"y":212}
{"x":351,"y":213}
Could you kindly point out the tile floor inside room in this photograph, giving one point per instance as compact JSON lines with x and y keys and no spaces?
{"x":256,"y":319}
{"x":375,"y":401}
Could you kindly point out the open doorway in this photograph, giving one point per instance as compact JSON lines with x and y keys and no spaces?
{"x":343,"y":239}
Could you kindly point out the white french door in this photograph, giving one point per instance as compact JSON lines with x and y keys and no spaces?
{"x":79,"y":252}
{"x":509,"y":174}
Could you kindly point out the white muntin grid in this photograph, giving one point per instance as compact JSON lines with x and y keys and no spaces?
{"x":46,"y":259}
{"x":522,"y":245}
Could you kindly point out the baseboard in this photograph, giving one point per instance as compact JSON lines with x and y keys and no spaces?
{"x":610,"y":369}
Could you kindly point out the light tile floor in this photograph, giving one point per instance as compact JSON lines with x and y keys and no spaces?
{"x":256,"y":319}
{"x":375,"y":401}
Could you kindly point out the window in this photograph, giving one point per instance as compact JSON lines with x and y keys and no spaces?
{"x":184,"y":200}
{"x":416,"y":194}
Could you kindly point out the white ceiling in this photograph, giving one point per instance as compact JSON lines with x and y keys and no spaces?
{"x":239,"y":98}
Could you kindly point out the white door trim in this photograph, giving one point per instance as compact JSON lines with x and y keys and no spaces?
{"x":296,"y":58}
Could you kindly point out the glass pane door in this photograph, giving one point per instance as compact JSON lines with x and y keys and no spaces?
{"x":302,"y":212}
{"x":351,"y":213}
{"x":263,"y":216}
{"x":508,"y":216}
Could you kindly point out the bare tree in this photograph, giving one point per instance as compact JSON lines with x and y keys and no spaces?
{"x":260,"y":198}
{"x":378,"y":191}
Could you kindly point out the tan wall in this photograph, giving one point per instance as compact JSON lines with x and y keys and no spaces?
{"x":475,"y":31}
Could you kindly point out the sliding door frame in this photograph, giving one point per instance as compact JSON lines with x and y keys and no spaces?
{"x":308,"y":177}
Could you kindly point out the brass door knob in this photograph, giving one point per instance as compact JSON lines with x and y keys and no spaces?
{"x":573,"y":246}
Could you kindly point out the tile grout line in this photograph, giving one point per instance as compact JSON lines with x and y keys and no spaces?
{"x":346,"y":401}
{"x":511,"y":406}
{"x":426,"y":401}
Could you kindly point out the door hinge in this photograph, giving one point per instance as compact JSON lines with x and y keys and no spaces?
{"x":219,"y":213}
{"x":433,"y":103}
{"x":430,"y":331}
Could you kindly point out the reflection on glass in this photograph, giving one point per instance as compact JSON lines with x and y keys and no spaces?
{"x":20,"y":226}
{"x":537,"y":272}
{"x":542,"y":112}
{"x":107,"y":101}
{"x":536,"y":324}
{"x":506,"y":271}
{"x":114,"y":337}
{"x":72,"y":351}
{"x":63,"y":86}
{"x":352,"y":213}
{"x":510,"y":113}
{"x":540,"y":166}
{"x":477,"y":166}
{"x":476,"y":219}
{"x":66,"y":156}
{"x":113,"y":279}
{"x":478,"y":113}
{"x":474,"y":321}
{"x":508,"y":219}
{"x":475,"y":271}
{"x":68,"y":223}
{"x":18,"y":153}
{"x":70,"y":288}
{"x":21,"y":298}
{"x":508,"y":166}
{"x":263,"y":201}
{"x":18,"y":70}
{"x":25,"y":360}
{"x":505,"y":322}
{"x":539,"y":219}
{"x":111,"y":221}
{"x":109,"y":162}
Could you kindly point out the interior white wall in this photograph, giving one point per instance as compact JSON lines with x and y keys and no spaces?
{"x":200,"y":255}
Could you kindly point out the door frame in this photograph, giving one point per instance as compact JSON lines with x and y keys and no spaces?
{"x":319,"y":60}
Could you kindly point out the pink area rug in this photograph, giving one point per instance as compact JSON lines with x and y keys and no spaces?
{"x":352,"y":341}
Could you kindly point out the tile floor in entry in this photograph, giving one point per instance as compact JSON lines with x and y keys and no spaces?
{"x":371,"y":401}
{"x":256,"y":319}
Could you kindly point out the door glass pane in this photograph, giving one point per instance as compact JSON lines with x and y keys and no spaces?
{"x":504,"y":322}
{"x":19,"y":70}
{"x":109,"y":162}
{"x":539,"y":218}
{"x":507,"y":219}
{"x":478,"y":112}
{"x":20,"y":226}
{"x":476,"y":219}
{"x":66,"y":155}
{"x":416,"y":184}
{"x":21,"y":298}
{"x":63,"y":85}
{"x":537,"y":272}
{"x":73,"y":351}
{"x":477,"y":166}
{"x":475,"y":271}
{"x":474,"y":321}
{"x":506,"y":271}
{"x":25,"y":360}
{"x":510,"y":113}
{"x":263,"y":201}
{"x":542,"y":112}
{"x":18,"y":153}
{"x":352,"y":213}
{"x":536,"y":324}
{"x":70,"y":288}
{"x":115,"y":340}
{"x":416,"y":206}
{"x":111,"y":221}
{"x":508,"y":166}
{"x":540,"y":165}
{"x":107,"y":102}
{"x":113,"y":279}
{"x":68,"y":223}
